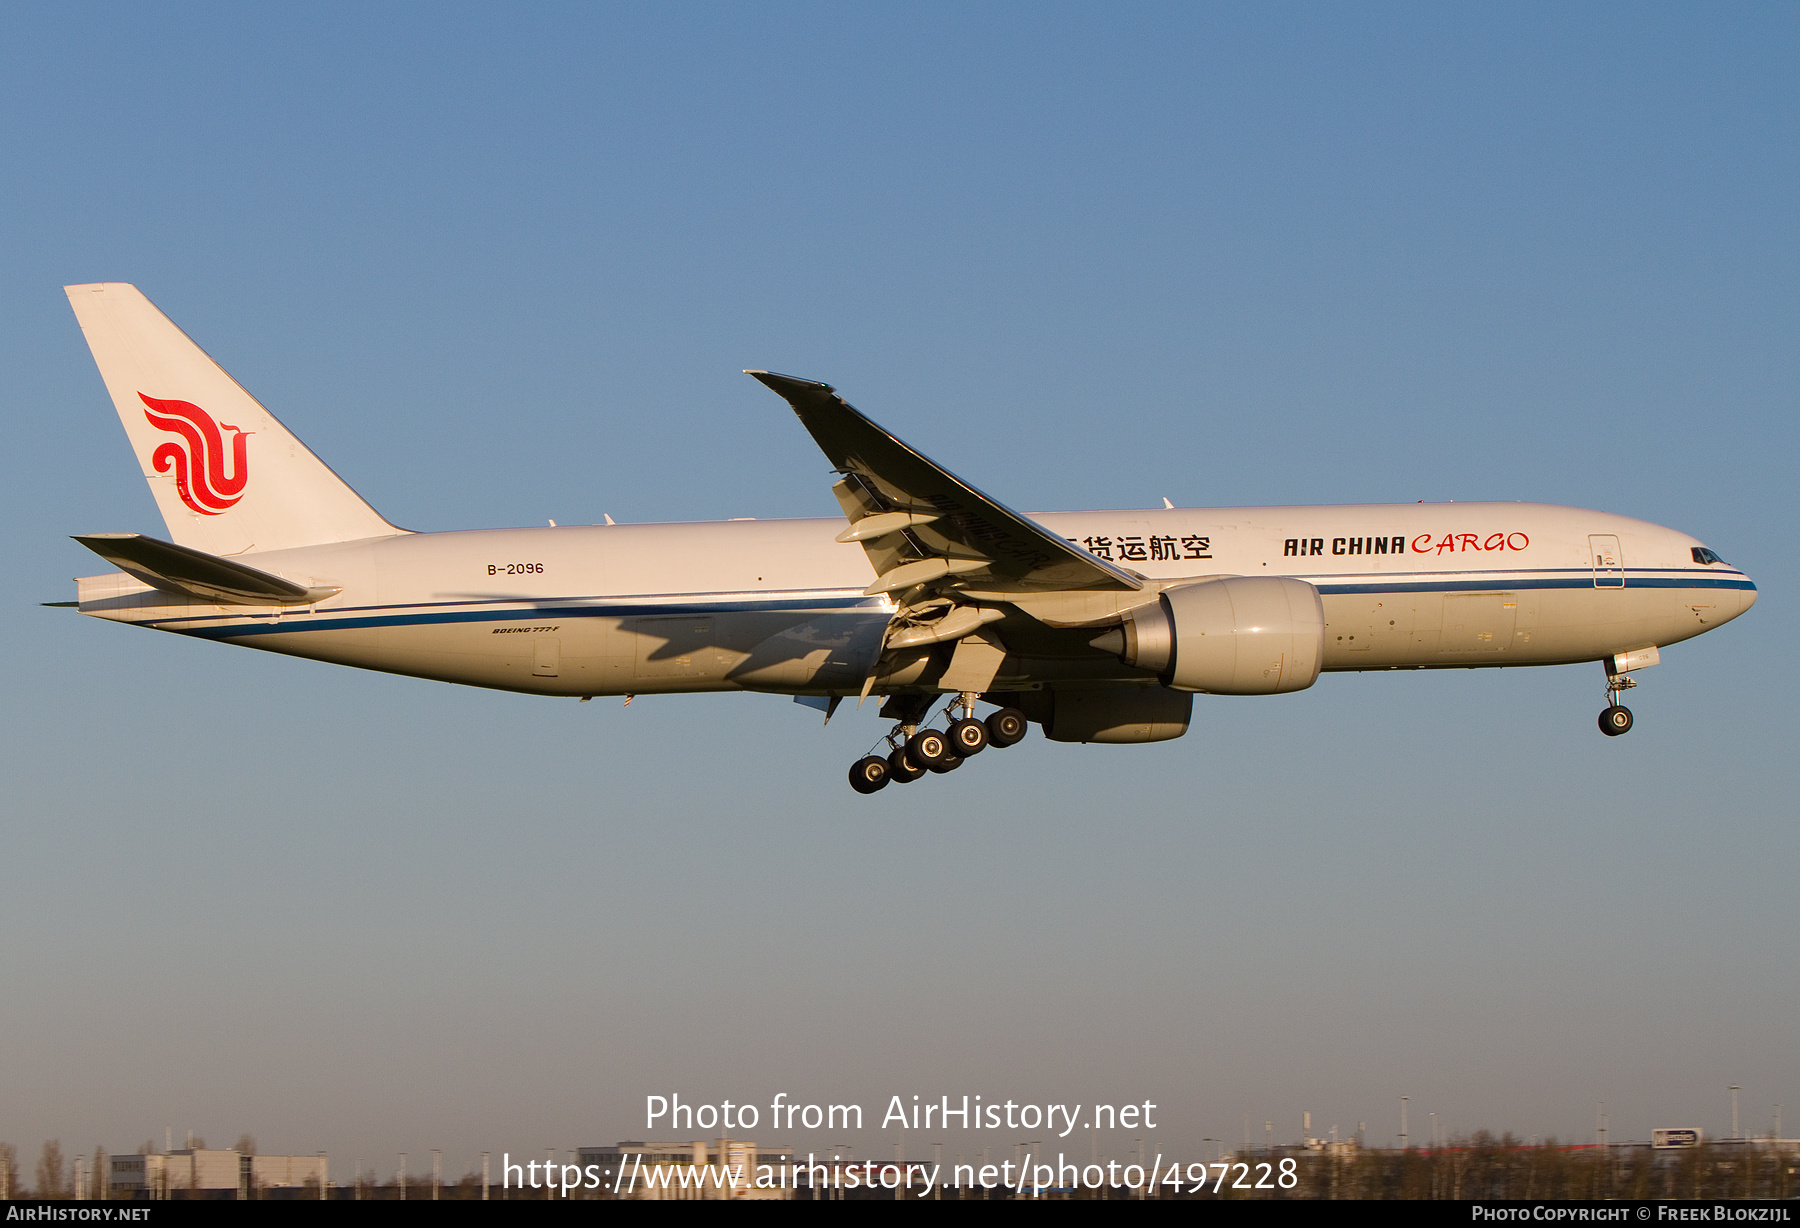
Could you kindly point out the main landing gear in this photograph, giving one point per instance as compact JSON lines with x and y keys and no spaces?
{"x":916,"y":751}
{"x":1617,"y":718}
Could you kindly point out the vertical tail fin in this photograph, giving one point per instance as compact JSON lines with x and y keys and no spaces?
{"x":226,"y":475}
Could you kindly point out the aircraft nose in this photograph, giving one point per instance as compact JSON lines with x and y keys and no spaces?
{"x":1747,"y":595}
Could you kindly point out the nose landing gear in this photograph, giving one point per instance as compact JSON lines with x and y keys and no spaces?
{"x":914,"y":751}
{"x":1617,"y":718}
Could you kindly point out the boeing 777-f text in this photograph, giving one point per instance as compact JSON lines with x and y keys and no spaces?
{"x":1097,"y":626}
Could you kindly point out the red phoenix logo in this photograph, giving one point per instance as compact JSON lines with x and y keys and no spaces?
{"x":199,"y":467}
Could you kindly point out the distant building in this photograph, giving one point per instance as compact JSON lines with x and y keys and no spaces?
{"x":723,"y":1169}
{"x":207,"y":1173}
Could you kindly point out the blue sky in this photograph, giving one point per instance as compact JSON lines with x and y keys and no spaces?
{"x":499,"y":268}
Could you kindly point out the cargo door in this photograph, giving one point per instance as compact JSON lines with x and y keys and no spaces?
{"x":1609,"y":561}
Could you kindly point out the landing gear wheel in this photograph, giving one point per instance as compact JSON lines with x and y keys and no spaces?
{"x":1615,"y":721}
{"x":929,"y":748}
{"x":1007,"y":727}
{"x":869,"y":775}
{"x":902,"y":768}
{"x":968,"y":737}
{"x":949,"y":763}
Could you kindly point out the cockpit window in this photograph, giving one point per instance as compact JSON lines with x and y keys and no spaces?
{"x":1703,"y":555}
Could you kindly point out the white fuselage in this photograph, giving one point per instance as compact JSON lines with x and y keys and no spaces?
{"x":778,"y":605}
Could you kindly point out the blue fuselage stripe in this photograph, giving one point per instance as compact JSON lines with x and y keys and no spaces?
{"x":290,"y":623}
{"x":417,"y":615}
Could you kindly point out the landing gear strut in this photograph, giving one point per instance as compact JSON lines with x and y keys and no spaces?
{"x":913,"y":751}
{"x":1617,"y":718}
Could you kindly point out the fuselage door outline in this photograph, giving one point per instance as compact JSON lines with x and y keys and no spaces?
{"x":1608,"y":560}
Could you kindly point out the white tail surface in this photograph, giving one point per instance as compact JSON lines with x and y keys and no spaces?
{"x":227,"y":476}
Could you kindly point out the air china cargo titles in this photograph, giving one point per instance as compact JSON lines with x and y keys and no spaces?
{"x":1424,"y":543}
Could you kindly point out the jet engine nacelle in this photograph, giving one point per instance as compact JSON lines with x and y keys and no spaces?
{"x":1243,"y":635}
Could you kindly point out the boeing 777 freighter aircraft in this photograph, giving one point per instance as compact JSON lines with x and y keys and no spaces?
{"x":1099,"y":626}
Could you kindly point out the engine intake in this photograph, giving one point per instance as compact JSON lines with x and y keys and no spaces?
{"x":1243,"y":635}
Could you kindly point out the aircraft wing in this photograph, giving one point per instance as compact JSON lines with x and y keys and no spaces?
{"x":923,"y":525}
{"x":197,"y":575}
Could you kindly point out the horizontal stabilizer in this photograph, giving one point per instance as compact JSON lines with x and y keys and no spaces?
{"x":196,"y":575}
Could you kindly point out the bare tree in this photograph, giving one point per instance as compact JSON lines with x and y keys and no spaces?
{"x":147,"y":1147}
{"x":52,"y":1172}
{"x":246,"y":1145}
{"x":100,"y":1184}
{"x":9,"y":1171}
